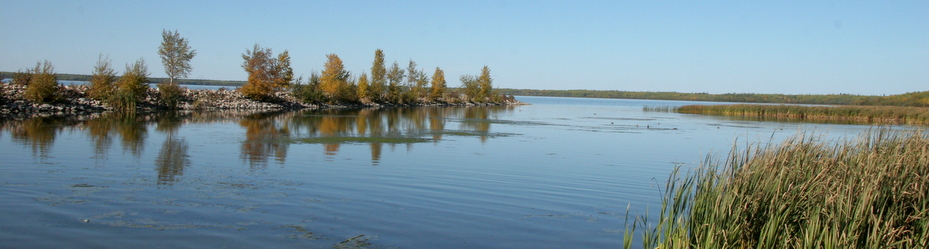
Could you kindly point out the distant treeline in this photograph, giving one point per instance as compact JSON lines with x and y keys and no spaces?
{"x":831,"y":99}
{"x":85,"y":77}
{"x":908,"y":99}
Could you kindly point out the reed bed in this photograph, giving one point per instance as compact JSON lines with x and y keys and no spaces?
{"x":870,"y":192}
{"x":863,"y":114}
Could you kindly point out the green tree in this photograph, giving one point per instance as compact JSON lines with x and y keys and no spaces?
{"x":43,"y":83}
{"x":378,"y":77}
{"x":438,"y":84}
{"x":131,"y":87}
{"x":470,"y":86}
{"x":348,"y":91}
{"x":103,"y":79}
{"x":486,"y":84}
{"x":175,"y":55}
{"x":412,"y":77}
{"x":308,"y":92}
{"x":266,"y":74}
{"x":421,"y":82}
{"x":394,"y":81}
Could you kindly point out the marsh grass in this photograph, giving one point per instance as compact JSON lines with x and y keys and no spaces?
{"x":863,"y":114}
{"x":804,"y":193}
{"x":659,"y":109}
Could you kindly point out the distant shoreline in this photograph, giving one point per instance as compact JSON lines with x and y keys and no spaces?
{"x":919,"y":99}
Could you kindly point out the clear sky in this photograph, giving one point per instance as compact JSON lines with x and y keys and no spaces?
{"x":792,"y":47}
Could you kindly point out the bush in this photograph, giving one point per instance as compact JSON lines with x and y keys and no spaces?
{"x":309,"y":92}
{"x":42,"y":85}
{"x":22,"y":78}
{"x":171,"y":94}
{"x":131,"y":87}
{"x":101,"y":82}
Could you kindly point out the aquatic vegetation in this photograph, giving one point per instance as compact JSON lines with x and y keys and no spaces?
{"x":872,"y":192}
{"x":863,"y":114}
{"x":347,"y":139}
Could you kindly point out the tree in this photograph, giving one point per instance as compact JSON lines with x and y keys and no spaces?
{"x":438,"y":84}
{"x":421,"y":81}
{"x":131,"y":87}
{"x":310,"y":91}
{"x":103,"y":79}
{"x":471,"y":87}
{"x":42,"y":85}
{"x":394,"y":79}
{"x":378,"y":77}
{"x":175,"y":55}
{"x":363,"y":88}
{"x":412,"y":78}
{"x":266,"y":74}
{"x":333,"y":78}
{"x":284,"y":74}
{"x":485,"y":83}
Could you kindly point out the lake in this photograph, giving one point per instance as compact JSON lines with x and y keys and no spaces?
{"x":558,"y":173}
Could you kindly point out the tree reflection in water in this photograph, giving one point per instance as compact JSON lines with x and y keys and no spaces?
{"x":172,"y":158}
{"x":39,"y":133}
{"x":267,"y":135}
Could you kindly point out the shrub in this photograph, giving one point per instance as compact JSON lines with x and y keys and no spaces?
{"x":101,"y":82}
{"x":171,"y":94}
{"x":43,"y":83}
{"x":131,"y":87}
{"x":22,"y":78}
{"x":310,"y":92}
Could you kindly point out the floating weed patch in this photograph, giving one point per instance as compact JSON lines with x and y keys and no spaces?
{"x":507,"y":122}
{"x":618,"y":119}
{"x":347,"y":139}
{"x":467,"y":133}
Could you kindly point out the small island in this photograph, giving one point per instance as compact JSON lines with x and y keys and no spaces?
{"x":271,"y":85}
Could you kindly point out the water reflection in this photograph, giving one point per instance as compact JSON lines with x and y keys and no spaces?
{"x":267,"y":135}
{"x":394,"y":126}
{"x":172,"y":160}
{"x":38,"y":133}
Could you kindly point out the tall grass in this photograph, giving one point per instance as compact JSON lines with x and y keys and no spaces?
{"x":864,"y":114}
{"x":804,"y":193}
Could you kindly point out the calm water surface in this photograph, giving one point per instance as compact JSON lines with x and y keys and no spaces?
{"x":555,"y":174}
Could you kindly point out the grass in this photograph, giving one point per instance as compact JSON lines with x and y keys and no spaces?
{"x":862,"y":114}
{"x":804,"y":193}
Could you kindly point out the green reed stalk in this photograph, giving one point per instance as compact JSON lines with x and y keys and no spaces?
{"x":804,"y":193}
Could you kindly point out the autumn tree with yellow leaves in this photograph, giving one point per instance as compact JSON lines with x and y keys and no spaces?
{"x":266,"y":74}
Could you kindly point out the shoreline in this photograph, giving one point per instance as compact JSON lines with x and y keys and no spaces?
{"x":73,"y":100}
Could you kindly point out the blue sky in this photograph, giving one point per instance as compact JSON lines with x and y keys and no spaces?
{"x":792,"y":47}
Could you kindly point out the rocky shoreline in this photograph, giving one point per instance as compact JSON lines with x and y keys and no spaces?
{"x":73,"y":100}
